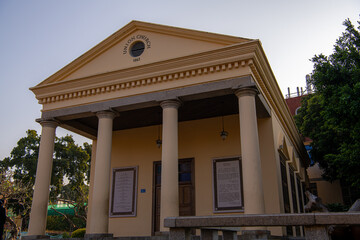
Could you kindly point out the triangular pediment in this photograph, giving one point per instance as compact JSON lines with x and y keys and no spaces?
{"x":159,"y":42}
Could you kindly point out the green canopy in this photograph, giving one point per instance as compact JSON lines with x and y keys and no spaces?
{"x":63,"y":208}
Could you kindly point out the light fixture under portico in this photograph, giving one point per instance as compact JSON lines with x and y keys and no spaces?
{"x":223,"y":133}
{"x":158,"y":140}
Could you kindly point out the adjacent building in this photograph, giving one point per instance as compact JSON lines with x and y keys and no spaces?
{"x":329,"y":192}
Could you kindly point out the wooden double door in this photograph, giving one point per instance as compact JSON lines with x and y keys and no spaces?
{"x":186,"y":190}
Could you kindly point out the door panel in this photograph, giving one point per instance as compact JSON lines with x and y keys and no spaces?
{"x":186,"y":200}
{"x":157,"y":208}
{"x":186,"y":191}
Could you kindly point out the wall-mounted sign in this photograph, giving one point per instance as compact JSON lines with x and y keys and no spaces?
{"x":227,"y":182}
{"x":124,"y":192}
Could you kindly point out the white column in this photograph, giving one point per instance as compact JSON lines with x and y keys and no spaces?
{"x":37,"y":225}
{"x":169,"y":205}
{"x":98,"y":224}
{"x":250,"y":152}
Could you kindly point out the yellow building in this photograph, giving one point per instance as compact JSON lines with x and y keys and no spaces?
{"x":183,"y":122}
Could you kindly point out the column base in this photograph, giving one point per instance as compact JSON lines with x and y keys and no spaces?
{"x":98,"y":235}
{"x":255,"y":234}
{"x":34,"y":237}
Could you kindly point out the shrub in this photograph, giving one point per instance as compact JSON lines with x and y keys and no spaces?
{"x":79,"y":233}
{"x":337,"y":207}
{"x":59,"y":223}
{"x":65,"y":235}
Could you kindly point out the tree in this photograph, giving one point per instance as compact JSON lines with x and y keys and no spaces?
{"x":76,"y":199}
{"x":330,"y":116}
{"x":71,"y":165}
{"x":17,"y":196}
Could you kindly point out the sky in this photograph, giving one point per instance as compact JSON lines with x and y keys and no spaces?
{"x":39,"y":37}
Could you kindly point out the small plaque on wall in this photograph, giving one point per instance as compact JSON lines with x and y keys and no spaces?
{"x":124,"y":192}
{"x":227,"y":182}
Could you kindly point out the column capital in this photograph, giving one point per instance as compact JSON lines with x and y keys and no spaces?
{"x":170,"y":104}
{"x":48,"y":122}
{"x":106,"y":114}
{"x":246,"y":91}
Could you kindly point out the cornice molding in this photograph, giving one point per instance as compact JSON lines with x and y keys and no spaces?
{"x":261,"y":70}
{"x":156,"y":79}
{"x":189,"y":33}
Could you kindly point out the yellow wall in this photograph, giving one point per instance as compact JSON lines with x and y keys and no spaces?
{"x":200,"y":140}
{"x":329,"y":192}
{"x":279,"y":136}
{"x":269,"y":164}
{"x":136,"y":147}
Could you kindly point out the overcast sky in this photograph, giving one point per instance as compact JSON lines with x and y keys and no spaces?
{"x":39,"y":37}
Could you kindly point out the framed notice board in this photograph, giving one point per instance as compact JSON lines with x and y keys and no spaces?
{"x":124,"y":192}
{"x":227,"y":185}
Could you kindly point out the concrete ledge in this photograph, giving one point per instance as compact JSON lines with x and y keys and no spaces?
{"x":33,"y":237}
{"x":349,"y":218}
{"x":98,"y":235}
{"x":170,"y":221}
{"x":244,"y":220}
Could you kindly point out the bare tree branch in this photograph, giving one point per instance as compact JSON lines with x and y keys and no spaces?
{"x":65,"y":216}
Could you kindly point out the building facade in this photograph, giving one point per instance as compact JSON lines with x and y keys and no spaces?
{"x":183,"y":122}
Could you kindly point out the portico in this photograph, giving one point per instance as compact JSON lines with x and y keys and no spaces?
{"x":184,"y":83}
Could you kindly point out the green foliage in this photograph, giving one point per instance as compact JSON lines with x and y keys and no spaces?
{"x":65,"y":235}
{"x":330,"y":116}
{"x":88,"y":148}
{"x":57,"y":223}
{"x":23,"y":158}
{"x":80,"y":233}
{"x":12,"y":191}
{"x":337,"y":207}
{"x":70,"y":161}
{"x":17,"y":196}
{"x":76,"y":198}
